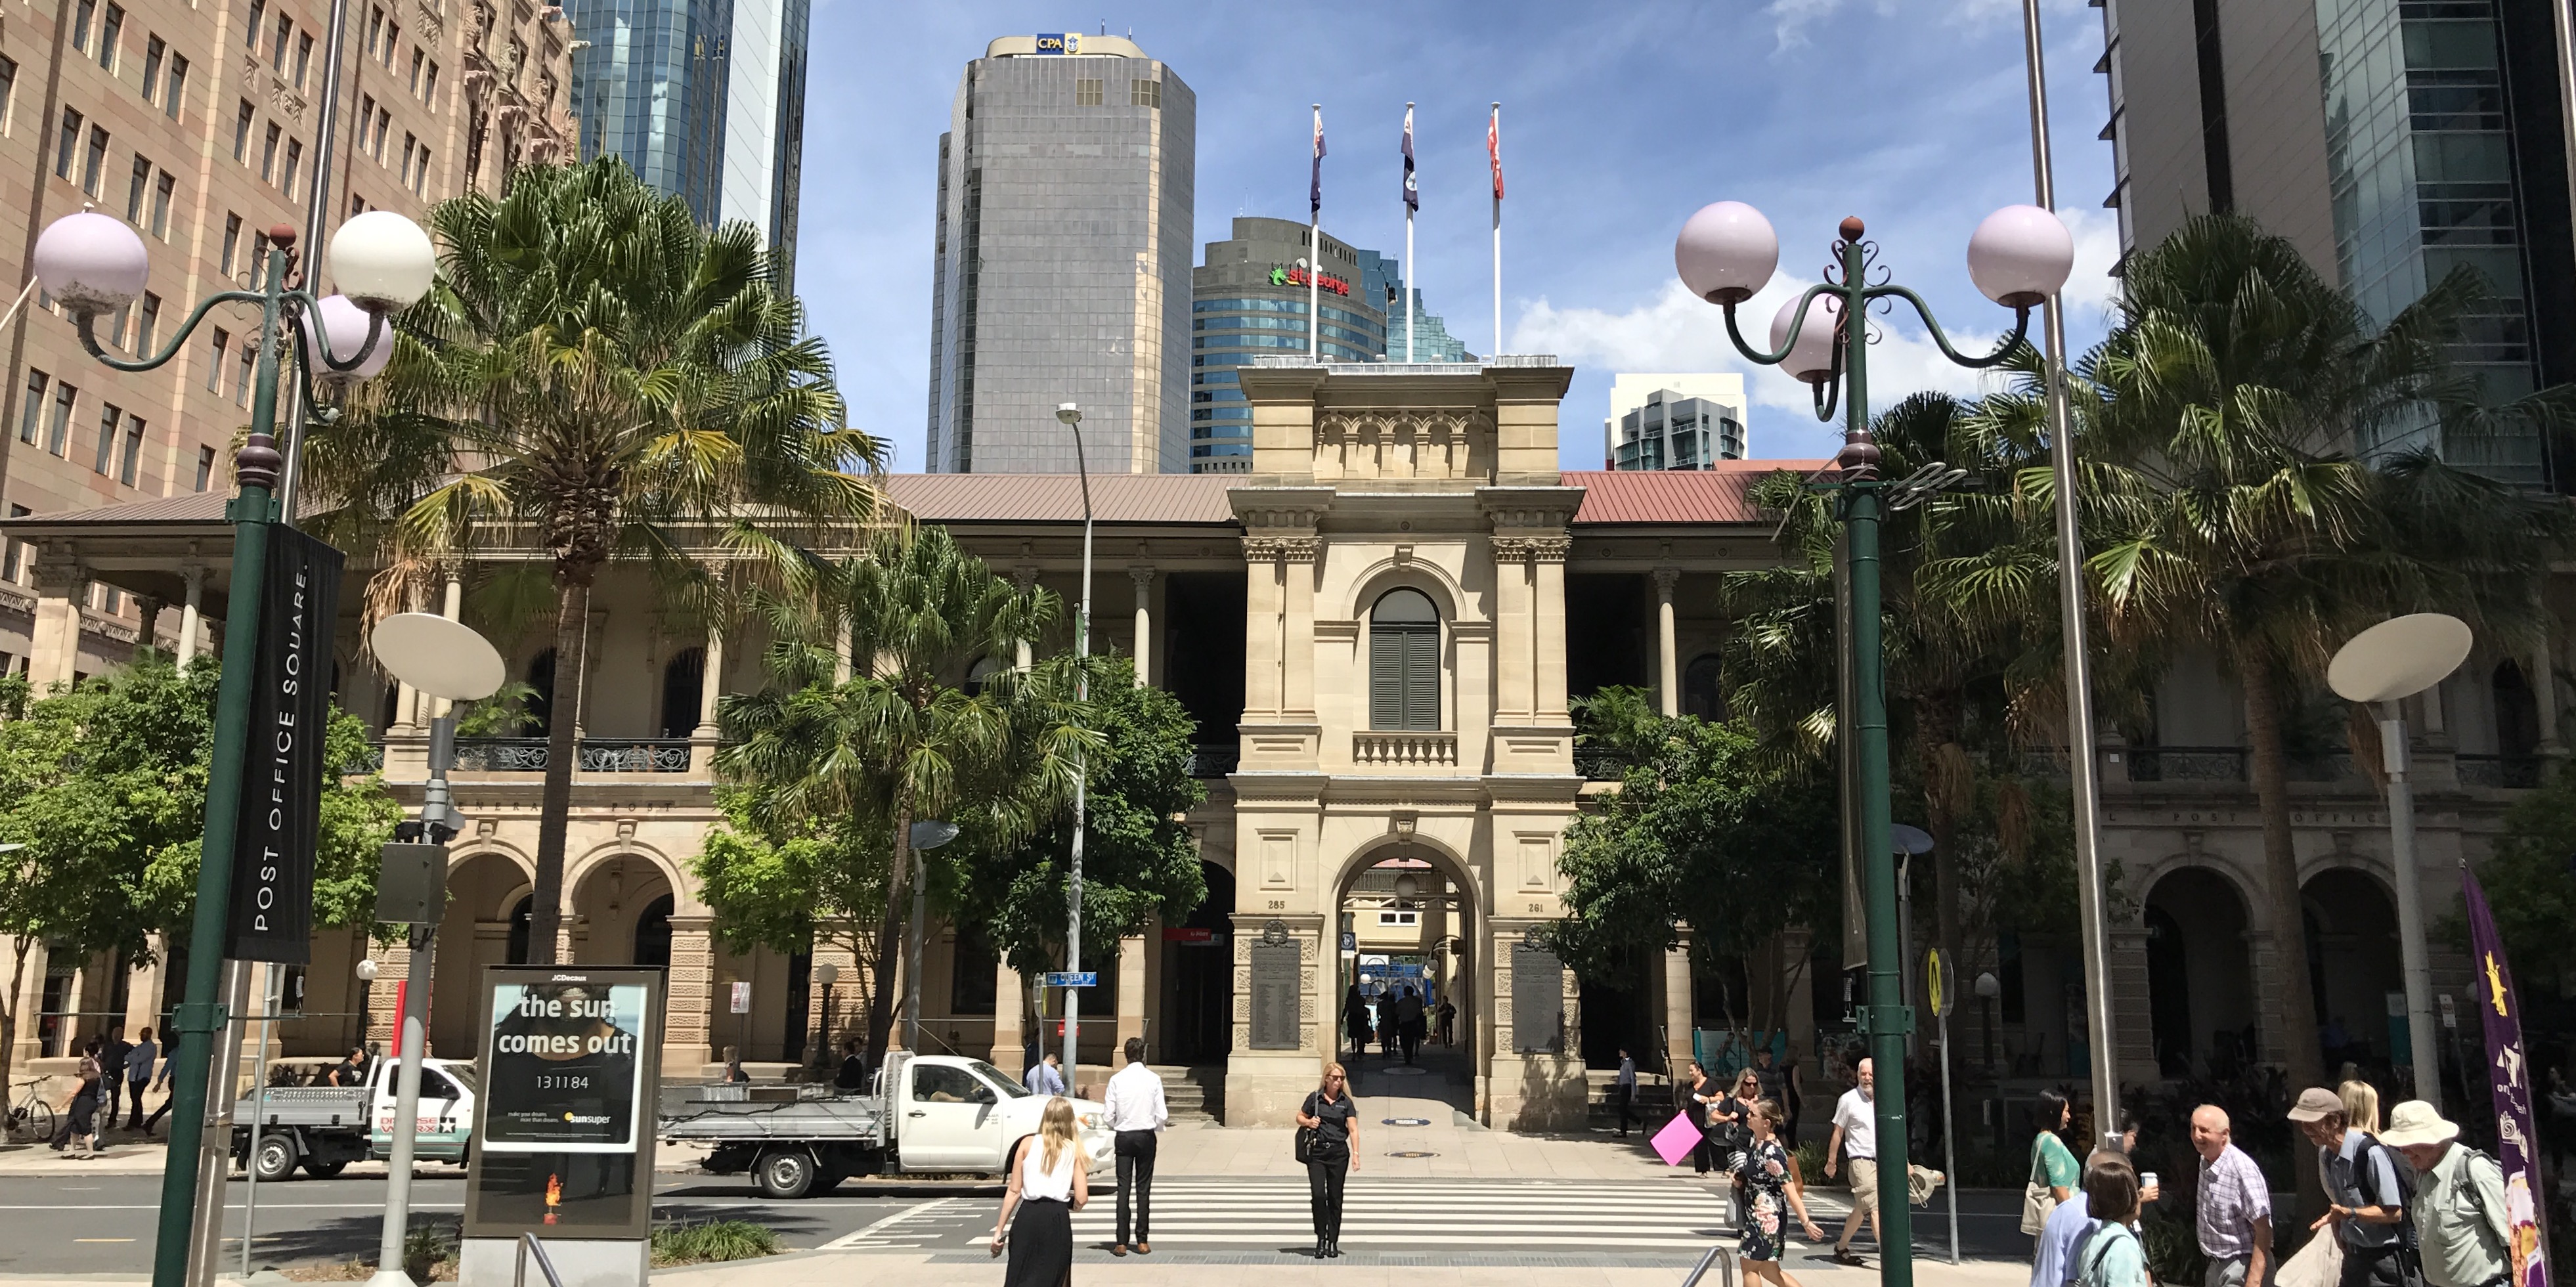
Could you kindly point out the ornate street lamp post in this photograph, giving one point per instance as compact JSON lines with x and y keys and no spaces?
{"x":2019,"y":257}
{"x":93,"y":264}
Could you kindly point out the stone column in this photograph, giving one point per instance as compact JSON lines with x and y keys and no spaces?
{"x":1668,"y":665}
{"x":1678,"y":1005}
{"x":393,"y":965}
{"x":192,"y":621}
{"x":54,"y":647}
{"x":688,"y":1017}
{"x":1027,"y":577}
{"x":1547,"y":569}
{"x":1515,"y":696}
{"x":2544,"y":692}
{"x":1144,"y":579}
{"x":1265,"y":598}
{"x":702,"y":739}
{"x":1298,"y":640}
{"x":143,"y":985}
{"x":841,"y":655}
{"x":1131,"y":994}
{"x":1010,"y":1018}
{"x":2130,"y":1007}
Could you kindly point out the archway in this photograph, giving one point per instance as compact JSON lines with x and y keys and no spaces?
{"x":486,"y":924}
{"x":607,"y":899}
{"x":1198,"y":974}
{"x":2200,"y":992}
{"x":2352,"y":969}
{"x":1405,"y":919}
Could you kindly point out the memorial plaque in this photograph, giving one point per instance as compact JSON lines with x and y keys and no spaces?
{"x":1538,"y":1001}
{"x":1277,"y":975}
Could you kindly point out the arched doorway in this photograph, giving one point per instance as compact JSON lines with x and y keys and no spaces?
{"x":683,"y":685}
{"x":488,"y":911}
{"x":1406,"y":920}
{"x":2200,"y":993}
{"x":2352,"y":970}
{"x":653,"y":933}
{"x":1198,"y":969}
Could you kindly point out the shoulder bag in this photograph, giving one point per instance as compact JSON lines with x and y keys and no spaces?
{"x":2036,"y":1200}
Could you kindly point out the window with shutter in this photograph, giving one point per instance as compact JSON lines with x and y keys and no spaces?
{"x":1404,"y":662}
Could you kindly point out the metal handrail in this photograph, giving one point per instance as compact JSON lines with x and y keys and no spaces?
{"x":1719,"y":1256}
{"x":528,"y":1242}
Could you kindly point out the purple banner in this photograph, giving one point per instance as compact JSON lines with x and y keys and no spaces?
{"x":2509,"y":1080}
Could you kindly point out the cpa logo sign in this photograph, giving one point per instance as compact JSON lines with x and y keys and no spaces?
{"x":1060,"y":43}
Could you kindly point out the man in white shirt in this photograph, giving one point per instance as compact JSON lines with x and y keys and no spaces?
{"x":1045,"y":1077}
{"x":1856,"y":1126}
{"x":1137,"y":1113}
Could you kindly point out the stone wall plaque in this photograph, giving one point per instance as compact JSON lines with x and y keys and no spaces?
{"x":1538,"y":1001}
{"x":1277,"y":984}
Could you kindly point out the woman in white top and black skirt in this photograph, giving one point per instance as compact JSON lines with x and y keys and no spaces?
{"x":1049,"y":1182}
{"x":1328,"y":1143}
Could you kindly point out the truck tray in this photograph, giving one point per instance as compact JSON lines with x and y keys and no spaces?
{"x":739,"y":1112}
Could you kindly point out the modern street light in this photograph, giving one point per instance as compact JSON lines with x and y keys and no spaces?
{"x":92,"y":265}
{"x":827,"y":974}
{"x":925,"y":836}
{"x":2019,"y":257}
{"x":1071,"y":415}
{"x":445,"y":659}
{"x":2381,"y":667}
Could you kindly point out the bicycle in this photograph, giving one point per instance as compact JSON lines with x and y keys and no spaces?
{"x":32,"y":1115}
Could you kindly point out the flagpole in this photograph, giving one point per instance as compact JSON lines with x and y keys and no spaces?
{"x":1496,"y":134}
{"x":1315,"y":251}
{"x":1410,"y":268}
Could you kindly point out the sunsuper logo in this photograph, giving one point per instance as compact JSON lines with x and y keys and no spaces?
{"x":1059,"y":43}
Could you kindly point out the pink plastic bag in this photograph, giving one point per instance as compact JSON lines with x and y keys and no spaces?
{"x":1677,"y":1139}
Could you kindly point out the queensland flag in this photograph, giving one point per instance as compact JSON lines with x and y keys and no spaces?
{"x":1412,"y":194}
{"x":1315,"y":190}
{"x":1493,"y":149}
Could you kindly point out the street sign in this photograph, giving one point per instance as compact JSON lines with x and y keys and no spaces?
{"x":1935,"y":984}
{"x":1073,"y":979}
{"x":741,"y":996}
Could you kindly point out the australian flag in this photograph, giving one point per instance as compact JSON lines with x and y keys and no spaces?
{"x":1412,"y":194}
{"x":1315,"y":192}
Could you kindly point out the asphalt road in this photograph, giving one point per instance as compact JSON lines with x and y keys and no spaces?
{"x":73,"y":1223}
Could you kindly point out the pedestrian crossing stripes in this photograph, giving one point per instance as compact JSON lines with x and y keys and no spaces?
{"x":1393,"y":1215}
{"x":914,"y":1226}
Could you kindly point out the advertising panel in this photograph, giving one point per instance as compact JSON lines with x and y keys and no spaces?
{"x":571,"y":1056}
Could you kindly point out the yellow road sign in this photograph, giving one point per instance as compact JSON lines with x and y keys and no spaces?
{"x":1933,"y":981}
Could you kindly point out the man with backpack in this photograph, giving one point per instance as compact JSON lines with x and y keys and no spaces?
{"x":2366,"y":1193}
{"x":2458,"y":1205}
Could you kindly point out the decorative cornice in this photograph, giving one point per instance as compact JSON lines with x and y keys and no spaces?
{"x":1533,"y":549}
{"x":1290,"y":549}
{"x":1665,"y":580}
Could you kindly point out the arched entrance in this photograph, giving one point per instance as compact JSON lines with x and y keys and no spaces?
{"x":2200,"y":992}
{"x":488,"y":905}
{"x":1198,"y":969}
{"x":2352,"y":969}
{"x":1405,"y":920}
{"x":608,"y":904}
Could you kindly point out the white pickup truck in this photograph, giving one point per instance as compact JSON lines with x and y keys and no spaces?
{"x":324,"y":1128}
{"x":948,"y":1115}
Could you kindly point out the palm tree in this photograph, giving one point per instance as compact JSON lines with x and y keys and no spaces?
{"x":905,"y":737}
{"x":596,"y":376}
{"x":2240,"y":386}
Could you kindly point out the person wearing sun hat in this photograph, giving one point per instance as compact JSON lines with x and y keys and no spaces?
{"x":2458,"y":1203}
{"x":2365,"y":1194}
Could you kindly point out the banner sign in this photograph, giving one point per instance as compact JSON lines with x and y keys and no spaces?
{"x":2509,"y":1087}
{"x":290,"y":711}
{"x":565,"y":1143}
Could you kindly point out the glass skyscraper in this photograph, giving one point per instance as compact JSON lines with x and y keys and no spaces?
{"x":704,"y":98}
{"x":1248,"y":299}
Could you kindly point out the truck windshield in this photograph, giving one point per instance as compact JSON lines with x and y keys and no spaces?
{"x":1010,"y":1085}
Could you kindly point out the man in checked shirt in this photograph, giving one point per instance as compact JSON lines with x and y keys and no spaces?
{"x":2235,"y":1213}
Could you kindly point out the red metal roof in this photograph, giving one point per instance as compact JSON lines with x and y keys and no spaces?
{"x":1676,"y":495}
{"x":1057,"y":498}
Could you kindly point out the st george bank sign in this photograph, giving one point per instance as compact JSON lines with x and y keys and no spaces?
{"x":1297,"y":277}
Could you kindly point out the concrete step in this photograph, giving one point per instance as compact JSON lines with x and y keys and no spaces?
{"x":1193,"y":1093}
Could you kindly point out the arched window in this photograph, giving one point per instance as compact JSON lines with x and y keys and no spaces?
{"x":1404,"y":661}
{"x":540,"y":705}
{"x":683,"y":685}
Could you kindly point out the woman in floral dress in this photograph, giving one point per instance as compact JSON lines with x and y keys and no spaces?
{"x":1772,"y":1186}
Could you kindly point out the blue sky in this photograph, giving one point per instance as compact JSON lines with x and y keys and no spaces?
{"x":1619,"y":119}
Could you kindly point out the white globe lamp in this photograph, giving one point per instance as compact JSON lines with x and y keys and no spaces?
{"x":1726,"y":252}
{"x":346,"y":326}
{"x":2020,"y":256}
{"x":383,"y":262}
{"x":91,"y":263}
{"x":1812,"y":358}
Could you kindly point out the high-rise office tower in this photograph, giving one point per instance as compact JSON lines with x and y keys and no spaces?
{"x":1062,"y":270}
{"x":704,"y":98}
{"x":1248,"y":299}
{"x":2391,"y":141}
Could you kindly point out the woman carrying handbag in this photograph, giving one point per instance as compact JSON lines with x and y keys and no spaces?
{"x":2053,"y":1170}
{"x":1328,"y":1143}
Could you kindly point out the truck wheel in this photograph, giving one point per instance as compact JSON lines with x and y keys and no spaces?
{"x":786,"y":1173}
{"x":324,"y":1170}
{"x":275,"y":1159}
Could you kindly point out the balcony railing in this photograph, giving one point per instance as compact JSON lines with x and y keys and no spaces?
{"x":1214,"y":761}
{"x":2508,"y":772}
{"x":1405,"y":750}
{"x":1599,"y":765}
{"x":598,"y":755}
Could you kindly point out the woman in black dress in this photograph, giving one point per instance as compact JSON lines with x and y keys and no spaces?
{"x":1355,"y":1020}
{"x":1050,"y":1180}
{"x":1702,"y":1093}
{"x":1330,"y":1156}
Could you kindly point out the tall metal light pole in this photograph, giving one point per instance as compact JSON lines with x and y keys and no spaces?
{"x":1071,"y":415}
{"x":2019,"y":256}
{"x":2083,"y":773}
{"x":94,"y":264}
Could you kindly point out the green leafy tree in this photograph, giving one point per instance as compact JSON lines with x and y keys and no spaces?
{"x":105,"y":785}
{"x":2530,"y":881}
{"x":1137,"y":857}
{"x":2239,"y":385}
{"x":596,"y":375}
{"x":786,"y":885}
